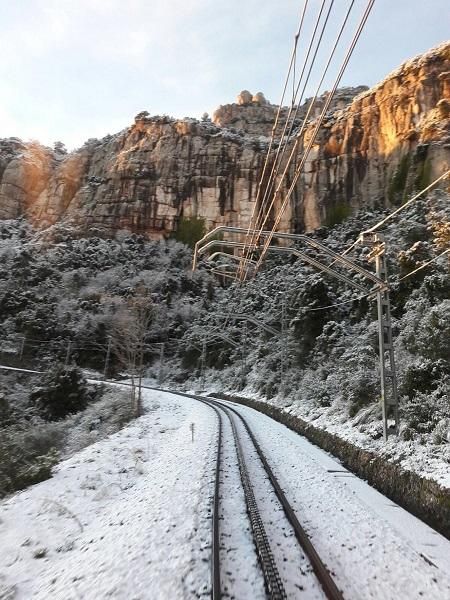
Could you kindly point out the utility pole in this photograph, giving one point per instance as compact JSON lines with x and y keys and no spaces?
{"x":283,"y":340}
{"x":243,"y":355}
{"x":388,"y":377}
{"x":140,"y":373}
{"x":69,"y":347}
{"x":202,"y":364}
{"x":22,"y":347}
{"x":161,"y":361}
{"x":108,"y":354}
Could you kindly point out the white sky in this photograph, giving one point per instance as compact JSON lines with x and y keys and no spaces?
{"x":74,"y":69}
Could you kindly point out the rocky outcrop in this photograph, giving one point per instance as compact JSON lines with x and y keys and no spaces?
{"x":390,"y":140}
{"x":254,"y":115}
{"x":374,"y":148}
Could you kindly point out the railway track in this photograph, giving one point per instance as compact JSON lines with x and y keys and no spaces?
{"x":244,"y":438}
{"x":275,"y":589}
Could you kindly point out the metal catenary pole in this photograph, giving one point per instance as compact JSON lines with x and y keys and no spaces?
{"x":388,"y":377}
{"x":69,"y":348}
{"x":202,"y":364}
{"x":243,"y":356}
{"x":22,"y":347}
{"x":140,"y":376}
{"x":108,"y":354}
{"x":283,"y":340}
{"x":161,"y":362}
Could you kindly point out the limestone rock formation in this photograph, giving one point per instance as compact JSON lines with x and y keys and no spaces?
{"x":389,"y":141}
{"x":375,"y":146}
{"x":255,"y":115}
{"x":244,"y":98}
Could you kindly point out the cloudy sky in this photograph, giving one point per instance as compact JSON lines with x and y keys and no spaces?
{"x":74,"y":69}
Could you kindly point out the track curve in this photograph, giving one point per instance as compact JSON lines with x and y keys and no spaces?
{"x":273,"y":581}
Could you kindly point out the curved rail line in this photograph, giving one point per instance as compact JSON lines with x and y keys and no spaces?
{"x":273,"y":582}
{"x":272,"y":577}
{"x":215,"y":575}
{"x":323,"y":575}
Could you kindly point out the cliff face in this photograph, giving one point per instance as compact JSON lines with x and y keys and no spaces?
{"x":373,"y":148}
{"x":390,"y":140}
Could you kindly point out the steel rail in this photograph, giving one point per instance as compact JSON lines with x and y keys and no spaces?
{"x":216,"y":587}
{"x":272,"y":577}
{"x":323,"y":575}
{"x":215,"y":547}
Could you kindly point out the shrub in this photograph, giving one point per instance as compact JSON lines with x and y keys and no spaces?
{"x":30,"y":447}
{"x":427,"y":413}
{"x":337,"y":213}
{"x":398,"y":180}
{"x":360,"y":389}
{"x":64,"y":391}
{"x":26,"y":457}
{"x":423,"y":177}
{"x":423,"y":377}
{"x":190,"y":230}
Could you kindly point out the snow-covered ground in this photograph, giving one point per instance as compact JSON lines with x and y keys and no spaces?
{"x":129,"y":518}
{"x":427,"y":460}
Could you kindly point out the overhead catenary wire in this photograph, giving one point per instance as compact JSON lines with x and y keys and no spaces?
{"x":253,"y":223}
{"x":319,"y":120}
{"x":318,"y":124}
{"x":340,"y":303}
{"x":395,"y":213}
{"x":425,"y":265}
{"x":372,"y":293}
{"x":35,"y":343}
{"x":285,"y":138}
{"x":408,"y":203}
{"x":283,"y":141}
{"x":291,"y":66}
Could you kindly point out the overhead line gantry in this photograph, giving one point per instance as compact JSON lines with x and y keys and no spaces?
{"x":380,"y":289}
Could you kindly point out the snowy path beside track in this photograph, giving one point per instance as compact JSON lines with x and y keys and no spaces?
{"x":126,"y":518}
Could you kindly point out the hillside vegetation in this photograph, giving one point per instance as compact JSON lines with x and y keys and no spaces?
{"x":57,"y":286}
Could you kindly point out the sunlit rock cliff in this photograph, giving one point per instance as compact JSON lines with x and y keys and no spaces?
{"x":375,"y":147}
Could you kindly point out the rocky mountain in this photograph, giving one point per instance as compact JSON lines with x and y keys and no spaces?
{"x":374,"y":147}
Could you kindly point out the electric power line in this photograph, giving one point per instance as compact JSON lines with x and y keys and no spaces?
{"x":291,"y":66}
{"x":264,"y":213}
{"x":424,"y":265}
{"x":340,"y":303}
{"x":390,"y":216}
{"x":319,"y":121}
{"x":408,"y":203}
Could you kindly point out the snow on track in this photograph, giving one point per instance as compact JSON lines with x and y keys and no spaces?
{"x":241,"y":575}
{"x":126,"y":518}
{"x":351,"y":525}
{"x":294,"y":567}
